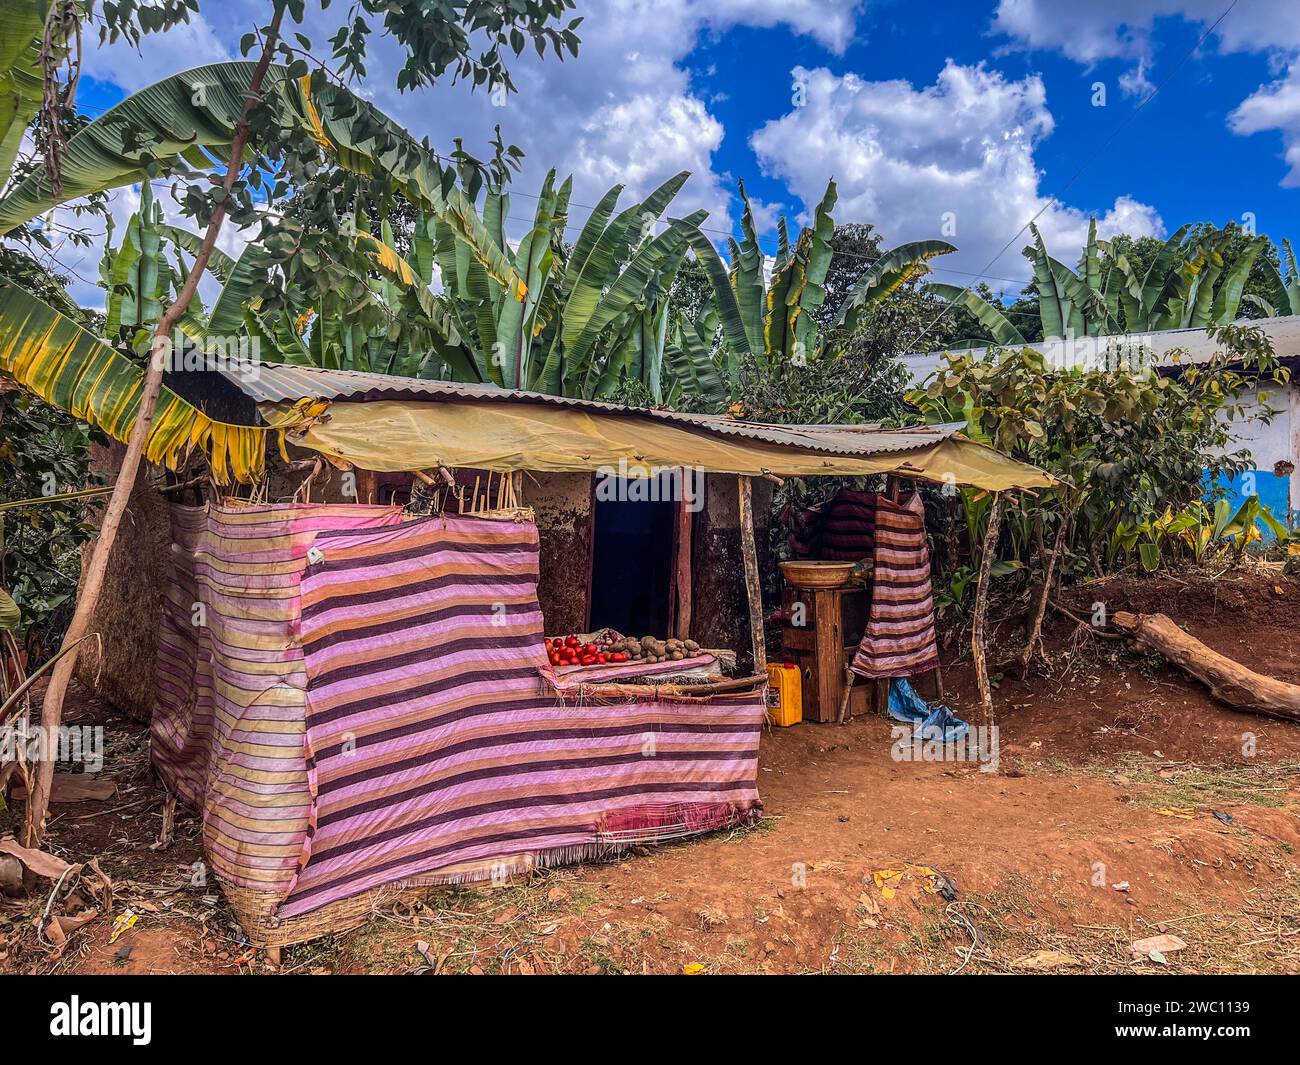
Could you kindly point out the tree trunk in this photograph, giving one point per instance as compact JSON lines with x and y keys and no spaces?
{"x":981,"y":608}
{"x":1228,"y":681}
{"x":92,"y":586}
{"x":1044,"y":593}
{"x":753,"y":587}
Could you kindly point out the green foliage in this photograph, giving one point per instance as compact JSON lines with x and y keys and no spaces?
{"x":1127,"y":443}
{"x":1196,"y":532}
{"x":1200,"y":276}
{"x":787,"y":356}
{"x":42,"y":451}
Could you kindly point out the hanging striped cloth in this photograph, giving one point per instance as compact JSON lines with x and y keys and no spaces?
{"x":900,"y":637}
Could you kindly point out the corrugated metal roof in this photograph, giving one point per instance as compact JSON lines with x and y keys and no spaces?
{"x":1195,"y":345}
{"x":272,"y":383}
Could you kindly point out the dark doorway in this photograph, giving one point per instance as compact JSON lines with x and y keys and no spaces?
{"x":632,"y":557}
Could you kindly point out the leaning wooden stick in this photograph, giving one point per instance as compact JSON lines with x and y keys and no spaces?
{"x":848,"y":693}
{"x":981,"y":608}
{"x":1228,"y":681}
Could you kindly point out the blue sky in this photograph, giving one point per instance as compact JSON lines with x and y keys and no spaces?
{"x":971,"y":114}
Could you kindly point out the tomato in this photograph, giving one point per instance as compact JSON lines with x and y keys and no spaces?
{"x":601,"y":659}
{"x":618,"y":656}
{"x":591,"y":649}
{"x":557,"y":643}
{"x":571,"y":641}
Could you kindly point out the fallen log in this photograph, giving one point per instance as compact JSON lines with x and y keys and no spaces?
{"x":1228,"y":681}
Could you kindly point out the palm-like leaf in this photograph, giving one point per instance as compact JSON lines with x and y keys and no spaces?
{"x":886,"y":275}
{"x":77,"y":372}
{"x":21,"y":87}
{"x":992,"y":319}
{"x":188,"y":115}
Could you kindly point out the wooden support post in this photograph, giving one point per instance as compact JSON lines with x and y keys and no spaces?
{"x":753,"y":589}
{"x":848,"y":693}
{"x":367,"y":482}
{"x":981,"y":608}
{"x":682,"y":569}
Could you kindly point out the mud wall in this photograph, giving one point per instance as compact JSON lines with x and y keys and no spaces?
{"x":720,"y":610}
{"x":562,"y":503}
{"x":130,"y":606}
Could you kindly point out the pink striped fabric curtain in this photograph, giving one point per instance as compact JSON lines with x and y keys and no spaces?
{"x":900,"y":637}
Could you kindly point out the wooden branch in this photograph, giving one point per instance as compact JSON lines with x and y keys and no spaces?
{"x":753,"y":589}
{"x":1228,"y":681}
{"x":981,"y":608}
{"x":849,"y":677}
{"x":97,"y":565}
{"x":1044,"y":593}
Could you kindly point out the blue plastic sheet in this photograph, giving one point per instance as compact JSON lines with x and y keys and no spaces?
{"x":929,"y":722}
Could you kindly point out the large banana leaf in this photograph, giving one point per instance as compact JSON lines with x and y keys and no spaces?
{"x":188,"y":115}
{"x":1201,"y":306}
{"x":1055,"y":298}
{"x":1228,"y":300}
{"x":77,"y":372}
{"x":735,"y":338}
{"x":992,"y":319}
{"x":631,"y":284}
{"x":1159,"y":276}
{"x":818,"y":257}
{"x":140,"y":278}
{"x":747,"y":277}
{"x":219,"y":263}
{"x":690,"y":362}
{"x":798,"y":288}
{"x":606,"y":257}
{"x":21,"y":86}
{"x":887,"y":274}
{"x":10,"y":615}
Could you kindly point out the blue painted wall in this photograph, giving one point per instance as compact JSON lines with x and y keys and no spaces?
{"x":1271,"y":489}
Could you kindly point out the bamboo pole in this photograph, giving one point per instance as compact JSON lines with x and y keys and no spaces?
{"x":753,"y":589}
{"x":981,"y":608}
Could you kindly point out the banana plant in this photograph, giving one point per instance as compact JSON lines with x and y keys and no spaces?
{"x":1284,"y":289}
{"x":74,"y":370}
{"x":1204,"y":532}
{"x":1188,"y":285}
{"x":570,"y":321}
{"x":772,"y":323}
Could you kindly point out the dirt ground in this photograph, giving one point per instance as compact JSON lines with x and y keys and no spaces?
{"x":1127,"y":804}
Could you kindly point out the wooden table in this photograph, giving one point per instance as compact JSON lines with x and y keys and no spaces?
{"x":821,"y":633}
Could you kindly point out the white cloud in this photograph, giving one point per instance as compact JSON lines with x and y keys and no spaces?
{"x":1275,"y":106}
{"x":1122,"y":29}
{"x":908,"y":160}
{"x":190,"y":44}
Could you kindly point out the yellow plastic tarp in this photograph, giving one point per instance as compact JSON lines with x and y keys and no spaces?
{"x":396,"y":436}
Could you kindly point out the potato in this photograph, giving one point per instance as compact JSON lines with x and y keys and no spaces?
{"x":691,"y":646}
